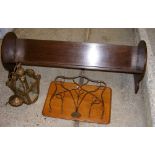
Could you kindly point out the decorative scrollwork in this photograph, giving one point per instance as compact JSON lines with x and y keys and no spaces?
{"x":78,"y":93}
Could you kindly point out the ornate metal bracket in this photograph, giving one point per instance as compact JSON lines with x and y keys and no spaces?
{"x":24,"y":84}
{"x":77,"y":101}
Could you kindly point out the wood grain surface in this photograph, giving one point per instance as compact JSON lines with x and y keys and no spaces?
{"x":66,"y":54}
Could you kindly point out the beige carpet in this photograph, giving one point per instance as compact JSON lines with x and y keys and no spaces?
{"x":127,"y":108}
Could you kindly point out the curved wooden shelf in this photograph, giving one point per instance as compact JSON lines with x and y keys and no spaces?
{"x":65,"y":54}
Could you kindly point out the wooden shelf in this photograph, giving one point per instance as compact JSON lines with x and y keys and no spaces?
{"x":65,"y":54}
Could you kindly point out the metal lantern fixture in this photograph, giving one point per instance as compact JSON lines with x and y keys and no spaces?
{"x":24,"y":84}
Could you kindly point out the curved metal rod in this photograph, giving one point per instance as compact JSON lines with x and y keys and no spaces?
{"x":80,"y":92}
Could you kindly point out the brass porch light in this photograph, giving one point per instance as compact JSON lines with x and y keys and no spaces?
{"x":24,"y":84}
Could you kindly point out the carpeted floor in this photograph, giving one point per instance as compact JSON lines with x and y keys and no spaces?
{"x":127,"y":108}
